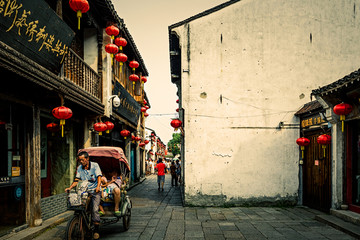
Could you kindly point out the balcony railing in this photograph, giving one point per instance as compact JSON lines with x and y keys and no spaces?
{"x":81,"y":74}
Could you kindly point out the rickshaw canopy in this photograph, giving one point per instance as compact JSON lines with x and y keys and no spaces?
{"x":107,"y":157}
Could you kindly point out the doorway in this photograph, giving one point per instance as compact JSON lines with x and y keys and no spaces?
{"x":317,"y":174}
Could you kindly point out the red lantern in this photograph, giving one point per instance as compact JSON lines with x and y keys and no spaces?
{"x":177,"y":110}
{"x":143,"y":79}
{"x":324,"y":140}
{"x":52,"y":127}
{"x":112,"y":49}
{"x":112,"y":31}
{"x":137,"y":138}
{"x":145,"y":102}
{"x":143,"y":109}
{"x":121,"y":58}
{"x":146,"y":141}
{"x":62,"y":113}
{"x":134,"y":78}
{"x":342,"y":109}
{"x":133,"y":138}
{"x":125,"y":133}
{"x":80,"y":7}
{"x":175,"y":123}
{"x":177,"y":101}
{"x":141,"y":144}
{"x":100,"y":127}
{"x":302,"y":142}
{"x":133,"y":65}
{"x":121,"y":42}
{"x":146,"y":114}
{"x":109,"y":126}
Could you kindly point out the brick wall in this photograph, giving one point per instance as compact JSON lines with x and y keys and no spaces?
{"x":53,"y":205}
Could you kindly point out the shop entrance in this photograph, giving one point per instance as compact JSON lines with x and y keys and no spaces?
{"x":317,"y":174}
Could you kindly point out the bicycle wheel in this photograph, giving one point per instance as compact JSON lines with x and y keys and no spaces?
{"x":73,"y":229}
{"x":126,"y":219}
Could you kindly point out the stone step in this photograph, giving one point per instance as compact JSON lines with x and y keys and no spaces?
{"x":340,"y":224}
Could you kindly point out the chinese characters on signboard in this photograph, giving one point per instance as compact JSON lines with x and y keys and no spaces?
{"x":311,"y":121}
{"x":129,"y":108}
{"x":34,"y":29}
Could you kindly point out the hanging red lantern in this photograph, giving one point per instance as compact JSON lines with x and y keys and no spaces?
{"x":62,"y":113}
{"x":137,"y":138}
{"x":143,"y":110}
{"x":324,"y":140}
{"x":175,"y":123}
{"x":125,"y":133}
{"x":112,"y":31}
{"x":80,"y":7}
{"x":141,"y":144}
{"x":100,"y":127}
{"x":302,"y":142}
{"x":177,"y":110}
{"x":112,"y":49}
{"x":52,"y":127}
{"x":144,"y":102}
{"x":143,"y":79}
{"x":134,"y":78}
{"x":134,"y":64}
{"x":146,"y":114}
{"x":342,"y":109}
{"x":109,"y":126}
{"x":177,"y":101}
{"x":121,"y":42}
{"x":121,"y":58}
{"x":146,"y":141}
{"x":133,"y":138}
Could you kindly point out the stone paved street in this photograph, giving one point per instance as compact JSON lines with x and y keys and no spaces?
{"x":160,"y":215}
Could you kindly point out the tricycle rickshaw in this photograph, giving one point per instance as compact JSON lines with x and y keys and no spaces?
{"x":80,"y":225}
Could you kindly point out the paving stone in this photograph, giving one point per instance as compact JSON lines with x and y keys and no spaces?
{"x":160,"y":215}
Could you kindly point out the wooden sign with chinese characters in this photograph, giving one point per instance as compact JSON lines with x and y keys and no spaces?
{"x":33,"y":29}
{"x":129,"y":108}
{"x":311,"y":121}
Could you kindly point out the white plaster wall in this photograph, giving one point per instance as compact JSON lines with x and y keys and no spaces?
{"x":252,"y":65}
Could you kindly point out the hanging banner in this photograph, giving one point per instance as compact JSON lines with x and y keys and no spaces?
{"x":35,"y":30}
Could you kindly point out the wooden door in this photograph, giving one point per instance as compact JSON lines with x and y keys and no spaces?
{"x":317,"y":174}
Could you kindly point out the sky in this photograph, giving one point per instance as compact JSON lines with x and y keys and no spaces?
{"x":148,"y":22}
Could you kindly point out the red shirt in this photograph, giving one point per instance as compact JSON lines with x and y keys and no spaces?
{"x":161,"y":169}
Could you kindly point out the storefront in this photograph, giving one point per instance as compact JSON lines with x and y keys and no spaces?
{"x":316,"y":164}
{"x":345,"y":153}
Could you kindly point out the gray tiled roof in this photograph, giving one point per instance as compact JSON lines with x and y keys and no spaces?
{"x":344,"y":82}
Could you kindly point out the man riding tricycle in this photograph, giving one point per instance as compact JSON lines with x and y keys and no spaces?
{"x":100,"y":198}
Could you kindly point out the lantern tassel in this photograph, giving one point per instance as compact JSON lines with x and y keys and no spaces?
{"x":120,"y":67}
{"x":79,"y":14}
{"x":342,"y":118}
{"x":302,"y":151}
{"x":62,"y":123}
{"x":324,"y":147}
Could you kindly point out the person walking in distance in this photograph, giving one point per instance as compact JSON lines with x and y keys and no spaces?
{"x":173,"y":174}
{"x":160,"y":166}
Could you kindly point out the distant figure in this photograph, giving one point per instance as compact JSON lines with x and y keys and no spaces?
{"x":178,"y":171}
{"x":160,"y":166}
{"x":173,"y":174}
{"x":152,"y":167}
{"x":167,"y":163}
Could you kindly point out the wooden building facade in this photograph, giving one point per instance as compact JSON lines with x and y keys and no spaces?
{"x":46,"y":62}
